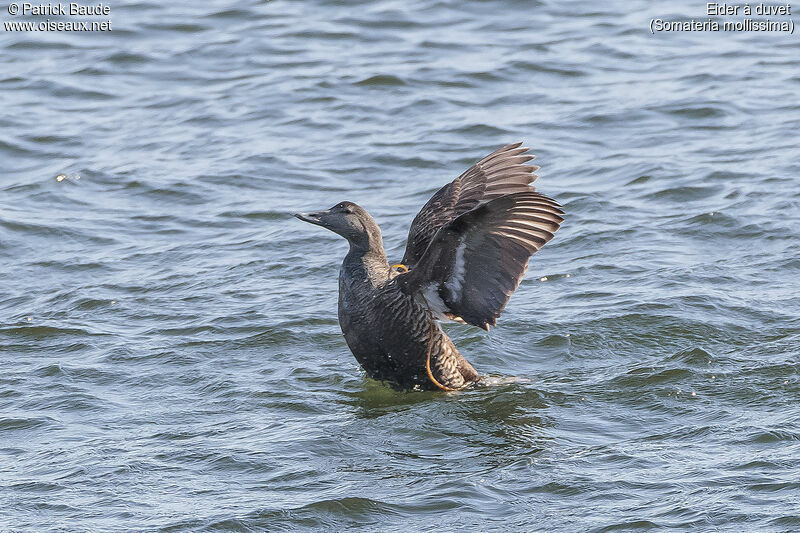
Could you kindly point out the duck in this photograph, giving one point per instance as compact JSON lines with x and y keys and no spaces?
{"x":468,"y":248}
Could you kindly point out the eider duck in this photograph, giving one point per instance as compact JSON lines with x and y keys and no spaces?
{"x":467,"y":251}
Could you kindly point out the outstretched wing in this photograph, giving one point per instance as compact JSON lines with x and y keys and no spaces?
{"x":500,"y":173}
{"x":476,"y":261}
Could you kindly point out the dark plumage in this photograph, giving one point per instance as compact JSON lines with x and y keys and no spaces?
{"x":467,"y":251}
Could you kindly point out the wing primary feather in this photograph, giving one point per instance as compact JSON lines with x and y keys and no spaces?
{"x":469,"y":246}
{"x":478,"y":258}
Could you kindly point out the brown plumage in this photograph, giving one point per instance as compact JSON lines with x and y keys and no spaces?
{"x":468,"y":248}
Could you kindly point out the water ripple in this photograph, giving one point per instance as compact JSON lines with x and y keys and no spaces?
{"x":171,"y":354}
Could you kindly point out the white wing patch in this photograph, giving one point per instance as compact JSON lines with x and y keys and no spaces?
{"x":454,"y":283}
{"x":434,"y":302}
{"x":437,"y":307}
{"x":456,"y":280}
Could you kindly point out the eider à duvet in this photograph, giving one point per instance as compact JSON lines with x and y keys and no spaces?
{"x":467,"y":251}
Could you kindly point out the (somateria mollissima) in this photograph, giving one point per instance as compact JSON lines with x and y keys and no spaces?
{"x":467,"y":251}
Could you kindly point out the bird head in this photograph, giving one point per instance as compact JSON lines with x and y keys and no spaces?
{"x":348,"y":220}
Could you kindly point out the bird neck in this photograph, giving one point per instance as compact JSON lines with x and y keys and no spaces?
{"x":367,"y":263}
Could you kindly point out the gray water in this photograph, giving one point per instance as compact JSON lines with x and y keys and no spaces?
{"x":170,"y":354}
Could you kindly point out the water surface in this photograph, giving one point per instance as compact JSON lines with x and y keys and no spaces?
{"x":171,"y":359}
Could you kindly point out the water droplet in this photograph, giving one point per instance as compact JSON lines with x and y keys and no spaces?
{"x":543,"y":278}
{"x":67,"y":177}
{"x":28,"y":318}
{"x":694,"y":393}
{"x":566,"y":276}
